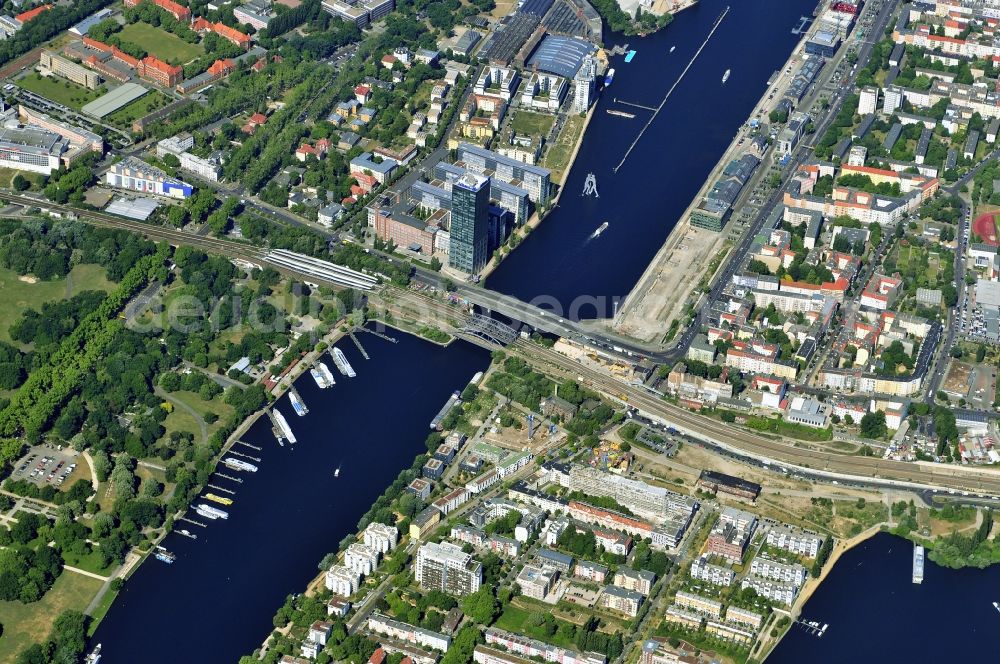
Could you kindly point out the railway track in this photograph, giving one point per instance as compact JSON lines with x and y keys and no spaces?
{"x":774,"y":450}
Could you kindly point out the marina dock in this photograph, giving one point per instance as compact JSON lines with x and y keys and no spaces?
{"x":357,"y":343}
{"x":453,"y":401}
{"x":918,"y":564}
{"x":380,"y":335}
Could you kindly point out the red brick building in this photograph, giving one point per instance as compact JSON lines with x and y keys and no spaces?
{"x":179,"y":12}
{"x":24,"y":17}
{"x":404,"y":231}
{"x":231,"y":34}
{"x":159,"y":72}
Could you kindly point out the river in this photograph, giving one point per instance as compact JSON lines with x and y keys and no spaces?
{"x":646,"y":197}
{"x":216,"y":602}
{"x":876,"y":613}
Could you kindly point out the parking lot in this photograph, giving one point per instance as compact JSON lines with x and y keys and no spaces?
{"x":46,"y":464}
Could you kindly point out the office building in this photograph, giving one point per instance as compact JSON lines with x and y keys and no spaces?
{"x":136,"y":175}
{"x":535,"y":179}
{"x":469,"y":247}
{"x":59,"y":65}
{"x":360,"y":12}
{"x":35,"y":150}
{"x":447,"y":568}
{"x":257,"y":13}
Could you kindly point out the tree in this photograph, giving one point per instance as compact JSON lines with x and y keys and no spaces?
{"x":21,"y":183}
{"x":873,"y":425}
{"x":481,"y":606}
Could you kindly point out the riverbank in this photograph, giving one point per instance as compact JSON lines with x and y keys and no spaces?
{"x":535,"y":218}
{"x":812,"y":584}
{"x":690,"y":257}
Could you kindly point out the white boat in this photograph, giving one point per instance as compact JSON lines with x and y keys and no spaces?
{"x":325,"y":370}
{"x":95,"y":655}
{"x":283,"y":425}
{"x":600,"y":229}
{"x":298,"y":405}
{"x":995,"y":606}
{"x":672,"y":48}
{"x":318,"y":378}
{"x":342,"y":364}
{"x":239,"y":464}
{"x":215,"y":512}
{"x":725,"y":77}
{"x":609,"y":77}
{"x":336,"y":473}
{"x":208,"y":515}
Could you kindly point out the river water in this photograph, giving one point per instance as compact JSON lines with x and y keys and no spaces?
{"x":646,"y":197}
{"x":216,"y":602}
{"x":876,"y":613}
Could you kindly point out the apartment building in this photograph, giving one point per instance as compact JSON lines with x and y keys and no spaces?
{"x":447,"y":568}
{"x":619,"y":599}
{"x":536,"y":582}
{"x":381,"y":537}
{"x":528,"y":647}
{"x":699,"y":604}
{"x":794,"y":539}
{"x":401,"y":631}
{"x":640,"y":581}
{"x":717,"y":575}
{"x":731,"y":534}
{"x":361,"y":558}
{"x":735,"y":614}
{"x":342,"y":580}
{"x":767,"y":568}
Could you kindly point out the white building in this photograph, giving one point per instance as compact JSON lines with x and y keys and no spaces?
{"x":401,"y":631}
{"x":583,"y":85}
{"x":717,"y":575}
{"x":892,"y":99}
{"x":136,"y":175}
{"x":361,"y":558}
{"x":381,"y":537}
{"x":794,"y":540}
{"x":776,"y":571}
{"x":869,"y":101}
{"x":342,"y":581}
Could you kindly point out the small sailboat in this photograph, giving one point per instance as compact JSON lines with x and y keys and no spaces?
{"x":336,"y":473}
{"x":996,"y":606}
{"x":725,"y":77}
{"x":672,"y":48}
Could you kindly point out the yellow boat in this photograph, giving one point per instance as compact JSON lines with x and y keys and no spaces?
{"x":219,"y":499}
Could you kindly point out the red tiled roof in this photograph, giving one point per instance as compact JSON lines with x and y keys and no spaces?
{"x":231,"y":34}
{"x":159,"y":65}
{"x":222,"y":67}
{"x":200,"y":25}
{"x":96,"y":45}
{"x":377,"y":657}
{"x":24,"y":17}
{"x":257,"y":118}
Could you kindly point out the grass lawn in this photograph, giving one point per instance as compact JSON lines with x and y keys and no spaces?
{"x":89,"y":563}
{"x":535,"y":124}
{"x":24,"y":624}
{"x":181,"y":420}
{"x":101,"y":610}
{"x":17,"y":295}
{"x":515,"y":619}
{"x":60,"y":90}
{"x":141,"y":107}
{"x":559,"y":153}
{"x":37,"y":180}
{"x":161,"y":44}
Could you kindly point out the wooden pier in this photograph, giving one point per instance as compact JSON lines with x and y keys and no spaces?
{"x":197,"y":523}
{"x":255,"y":447}
{"x":229,"y":477}
{"x":628,"y":103}
{"x":358,"y":344}
{"x":219,"y":488}
{"x":245,"y":456}
{"x":380,"y":335}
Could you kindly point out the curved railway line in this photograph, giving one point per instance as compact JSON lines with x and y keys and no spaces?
{"x":778,"y":451}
